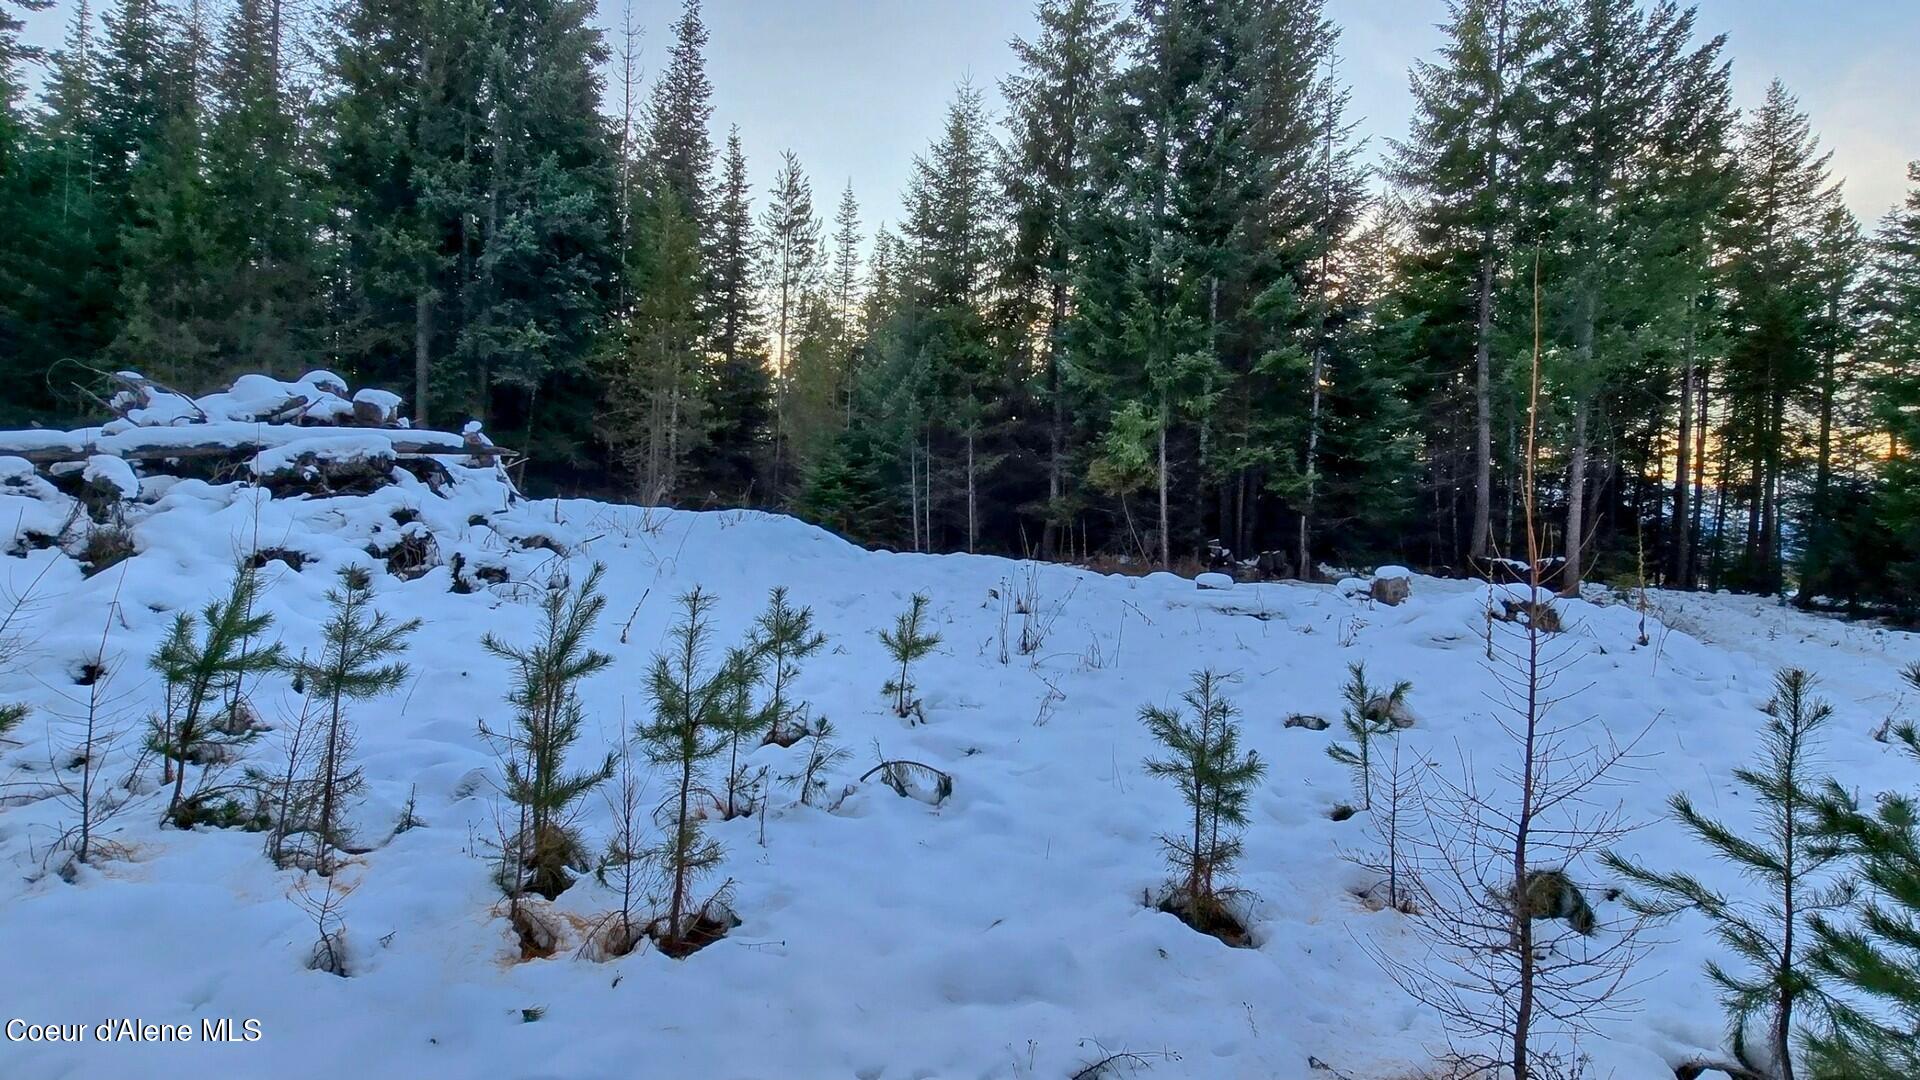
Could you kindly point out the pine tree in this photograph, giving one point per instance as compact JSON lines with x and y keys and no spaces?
{"x":792,"y":257}
{"x":547,"y":721}
{"x":1368,"y":715}
{"x":1892,"y":340}
{"x":679,"y":147}
{"x":1783,"y":194}
{"x":906,"y":642}
{"x":785,"y":635}
{"x":1791,"y":861}
{"x":358,"y":644}
{"x":1460,"y":163}
{"x":691,"y":702}
{"x":656,"y":406}
{"x":203,"y":714}
{"x":740,"y":401}
{"x":268,"y":273}
{"x":843,"y":276}
{"x":1875,"y":1028}
{"x":1054,"y":100}
{"x":1215,"y":779}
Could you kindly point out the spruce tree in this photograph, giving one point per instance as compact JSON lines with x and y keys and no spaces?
{"x":1874,"y":1032}
{"x":1215,"y":779}
{"x":1788,"y":857}
{"x":358,"y":646}
{"x":1459,"y":163}
{"x":1892,"y":303}
{"x":548,"y":718}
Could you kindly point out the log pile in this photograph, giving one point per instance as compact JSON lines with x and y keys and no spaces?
{"x":309,"y":436}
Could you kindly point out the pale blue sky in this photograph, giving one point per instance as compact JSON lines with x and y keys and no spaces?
{"x":856,"y":87}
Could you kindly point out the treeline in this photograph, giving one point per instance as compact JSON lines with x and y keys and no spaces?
{"x":1144,"y":300}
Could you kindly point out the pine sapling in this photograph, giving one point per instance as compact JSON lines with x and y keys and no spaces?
{"x":1368,"y":715}
{"x":1216,"y":779}
{"x":547,"y":722}
{"x":906,"y":642}
{"x":356,"y":663}
{"x":823,"y":755}
{"x":1873,"y":1031}
{"x":196,"y":726}
{"x":691,"y":701}
{"x":786,"y":636}
{"x":1787,"y":855}
{"x":742,"y":722}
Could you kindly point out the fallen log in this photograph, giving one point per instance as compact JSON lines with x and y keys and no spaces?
{"x":47,"y":448}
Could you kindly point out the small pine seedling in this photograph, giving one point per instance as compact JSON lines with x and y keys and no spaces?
{"x":906,"y":642}
{"x":692,"y":705}
{"x":1368,"y":715}
{"x":1216,"y":779}
{"x":785,"y":635}
{"x":547,"y":722}
{"x":1786,"y":854}
{"x":356,"y":663}
{"x":195,"y":670}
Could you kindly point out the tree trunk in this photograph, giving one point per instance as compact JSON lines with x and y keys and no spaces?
{"x":422,"y":353}
{"x":1056,"y":425}
{"x":1166,"y":547}
{"x":1682,"y":555}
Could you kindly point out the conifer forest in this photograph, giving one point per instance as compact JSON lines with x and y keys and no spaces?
{"x":1145,"y":298}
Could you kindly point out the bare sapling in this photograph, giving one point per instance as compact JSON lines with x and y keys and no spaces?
{"x":95,"y":722}
{"x":1518,"y":964}
{"x":1392,"y":823}
{"x":624,"y":863}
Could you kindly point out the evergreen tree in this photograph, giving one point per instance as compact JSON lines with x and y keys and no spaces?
{"x":1892,"y":341}
{"x":792,"y":257}
{"x":741,"y":395}
{"x":656,"y":407}
{"x":1460,"y":164}
{"x":843,"y":277}
{"x":358,"y":646}
{"x":547,"y":721}
{"x":679,"y":147}
{"x":1791,"y":861}
{"x":906,"y":642}
{"x":1215,"y":779}
{"x":1368,"y":715}
{"x":1054,"y":100}
{"x":785,"y":635}
{"x":201,"y":718}
{"x":1875,"y":1029}
{"x":268,"y":274}
{"x":1783,"y":196}
{"x":691,"y":699}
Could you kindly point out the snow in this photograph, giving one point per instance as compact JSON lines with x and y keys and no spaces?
{"x":1214,"y":581}
{"x":107,"y":471}
{"x":342,"y":447}
{"x":999,"y":934}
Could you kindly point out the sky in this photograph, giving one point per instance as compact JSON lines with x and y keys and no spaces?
{"x":855,"y":88}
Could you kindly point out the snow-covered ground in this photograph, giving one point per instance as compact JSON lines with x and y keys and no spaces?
{"x":1000,"y":934}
